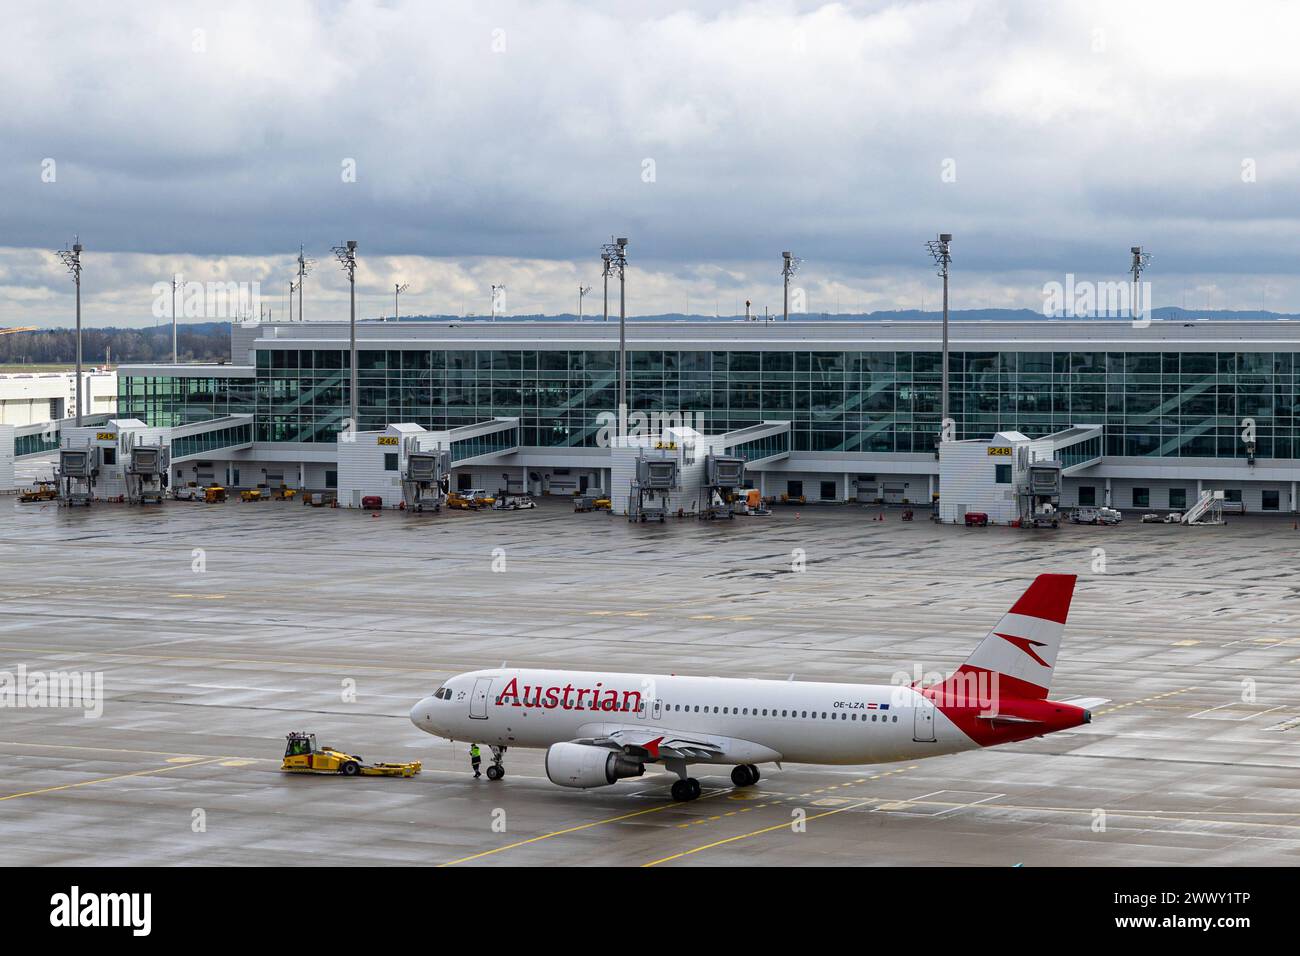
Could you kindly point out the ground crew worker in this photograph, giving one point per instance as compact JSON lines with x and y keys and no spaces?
{"x":475,"y":758}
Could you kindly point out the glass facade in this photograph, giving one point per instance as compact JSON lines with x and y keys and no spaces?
{"x":36,"y":444}
{"x":1080,"y":451}
{"x":758,"y":448}
{"x":1168,"y":404}
{"x":164,"y":401}
{"x":484,"y":444}
{"x":208,"y":441}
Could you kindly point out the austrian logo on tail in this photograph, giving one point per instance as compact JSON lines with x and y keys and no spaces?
{"x":1026,"y":645}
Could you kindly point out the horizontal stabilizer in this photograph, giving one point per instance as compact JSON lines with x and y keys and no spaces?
{"x":1087,"y":703}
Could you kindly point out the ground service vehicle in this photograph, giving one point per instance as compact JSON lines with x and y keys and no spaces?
{"x":471,"y":499}
{"x":43,"y":491}
{"x":301,"y":755}
{"x":514,"y":503}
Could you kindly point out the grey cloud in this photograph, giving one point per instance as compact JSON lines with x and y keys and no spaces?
{"x":821,"y":128}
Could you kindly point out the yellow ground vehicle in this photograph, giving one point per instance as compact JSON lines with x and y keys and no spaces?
{"x":44,"y":491}
{"x":471,"y":500}
{"x":252,"y":494}
{"x":213,"y":494}
{"x":301,"y":755}
{"x":284,"y":494}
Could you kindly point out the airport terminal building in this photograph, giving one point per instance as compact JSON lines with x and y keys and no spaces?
{"x":826,"y":410}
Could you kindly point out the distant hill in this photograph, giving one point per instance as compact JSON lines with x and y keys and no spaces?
{"x":196,"y":342}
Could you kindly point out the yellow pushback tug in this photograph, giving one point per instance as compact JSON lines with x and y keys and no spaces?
{"x":301,"y":755}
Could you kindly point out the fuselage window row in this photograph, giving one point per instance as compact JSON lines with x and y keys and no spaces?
{"x":745,"y":711}
{"x":796,"y":714}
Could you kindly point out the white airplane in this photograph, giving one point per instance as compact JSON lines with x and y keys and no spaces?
{"x":599,"y":727}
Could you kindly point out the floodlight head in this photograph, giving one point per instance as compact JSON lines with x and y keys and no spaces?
{"x":1136,"y":250}
{"x":945,"y":237}
{"x":622,"y":242}
{"x":76,"y":247}
{"x":786,"y":255}
{"x":352,"y":245}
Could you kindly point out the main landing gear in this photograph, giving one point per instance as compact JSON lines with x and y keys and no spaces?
{"x":687,"y":788}
{"x":497,"y":770}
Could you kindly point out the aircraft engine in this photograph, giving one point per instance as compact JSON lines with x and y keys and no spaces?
{"x":584,"y":766}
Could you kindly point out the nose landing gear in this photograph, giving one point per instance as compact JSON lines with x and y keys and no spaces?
{"x":497,"y":770}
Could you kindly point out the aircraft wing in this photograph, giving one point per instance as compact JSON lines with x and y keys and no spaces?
{"x":654,"y":744}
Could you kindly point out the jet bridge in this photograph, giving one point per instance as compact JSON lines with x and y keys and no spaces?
{"x":723,"y":474}
{"x":1039,"y":494}
{"x":425,"y":478}
{"x":146,"y":474}
{"x":78,"y":469}
{"x":655,"y":478}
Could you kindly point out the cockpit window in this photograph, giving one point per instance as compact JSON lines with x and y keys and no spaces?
{"x":443,"y":693}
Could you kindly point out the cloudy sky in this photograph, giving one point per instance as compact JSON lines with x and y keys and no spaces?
{"x":466,"y":144}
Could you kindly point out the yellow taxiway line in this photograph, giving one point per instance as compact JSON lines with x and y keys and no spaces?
{"x":120,"y":776}
{"x":575,"y":829}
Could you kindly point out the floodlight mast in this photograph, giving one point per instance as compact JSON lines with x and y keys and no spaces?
{"x":1140,"y":261}
{"x":347,"y":256}
{"x":615,"y":255}
{"x":582,"y":291}
{"x":72,"y":260}
{"x":604,"y":258}
{"x":398,"y":289}
{"x":940,"y":252}
{"x":304,"y":267}
{"x":788,"y":269}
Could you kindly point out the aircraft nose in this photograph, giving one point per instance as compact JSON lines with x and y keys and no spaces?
{"x":421,"y":712}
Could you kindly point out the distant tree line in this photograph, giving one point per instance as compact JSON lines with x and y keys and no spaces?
{"x":203,"y":342}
